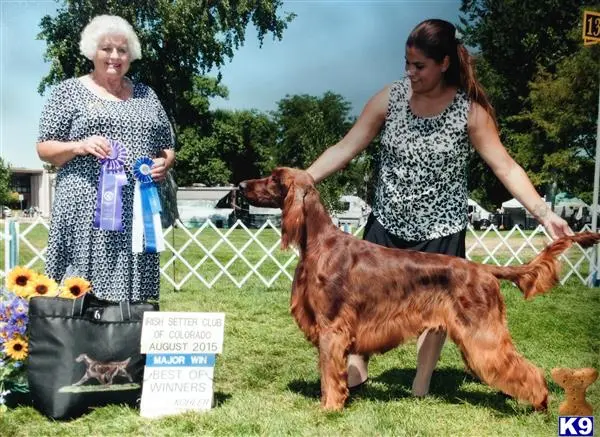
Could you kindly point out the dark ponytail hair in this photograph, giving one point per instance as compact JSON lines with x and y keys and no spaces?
{"x":437,"y":39}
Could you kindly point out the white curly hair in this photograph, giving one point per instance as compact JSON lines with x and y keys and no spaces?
{"x":103,"y":25}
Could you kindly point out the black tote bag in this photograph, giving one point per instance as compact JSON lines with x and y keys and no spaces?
{"x":84,"y":353}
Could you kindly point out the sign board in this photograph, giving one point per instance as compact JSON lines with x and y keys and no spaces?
{"x":182,"y":333}
{"x":180,"y":350}
{"x":591,"y":27}
{"x":177,"y":383}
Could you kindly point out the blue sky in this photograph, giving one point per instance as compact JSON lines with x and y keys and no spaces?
{"x":352,"y":48}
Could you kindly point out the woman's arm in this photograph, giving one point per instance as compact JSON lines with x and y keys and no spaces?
{"x":356,"y":140}
{"x":485,"y":139}
{"x":58,"y":153}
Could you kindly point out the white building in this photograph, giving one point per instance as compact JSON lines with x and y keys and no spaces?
{"x":35,"y":187}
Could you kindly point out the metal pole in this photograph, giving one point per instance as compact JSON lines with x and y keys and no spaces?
{"x":173,"y":227}
{"x":7,"y":247}
{"x":14,"y":240}
{"x":596,"y":260}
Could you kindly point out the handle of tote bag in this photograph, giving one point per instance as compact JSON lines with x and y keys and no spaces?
{"x":81,"y":303}
{"x":79,"y":306}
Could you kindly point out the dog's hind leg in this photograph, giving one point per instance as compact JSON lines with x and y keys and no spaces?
{"x":125,"y":374}
{"x":333,"y":353}
{"x":490,"y":353}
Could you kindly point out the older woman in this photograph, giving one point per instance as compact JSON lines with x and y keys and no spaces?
{"x":80,"y":121}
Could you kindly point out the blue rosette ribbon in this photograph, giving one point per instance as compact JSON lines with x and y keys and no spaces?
{"x":146,"y":227}
{"x":109,"y":203}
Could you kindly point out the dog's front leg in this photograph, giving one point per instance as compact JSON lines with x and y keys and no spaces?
{"x":333,"y":352}
{"x":83,"y":379}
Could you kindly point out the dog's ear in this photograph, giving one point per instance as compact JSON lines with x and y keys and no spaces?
{"x":312,"y":202}
{"x":292,"y":217}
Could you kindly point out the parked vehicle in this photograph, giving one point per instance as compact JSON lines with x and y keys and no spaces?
{"x":354,"y":212}
{"x":34,"y":211}
{"x":197,"y":204}
{"x":193,"y":214}
{"x":6,"y":212}
{"x":252,"y":216}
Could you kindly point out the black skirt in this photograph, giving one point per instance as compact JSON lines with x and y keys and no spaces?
{"x":453,"y":244}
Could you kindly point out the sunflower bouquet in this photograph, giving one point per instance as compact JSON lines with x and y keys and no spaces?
{"x":21,"y":285}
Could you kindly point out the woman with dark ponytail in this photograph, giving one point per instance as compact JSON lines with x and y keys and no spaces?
{"x":429,"y":120}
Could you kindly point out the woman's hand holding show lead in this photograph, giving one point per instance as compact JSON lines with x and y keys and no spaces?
{"x":94,"y":145}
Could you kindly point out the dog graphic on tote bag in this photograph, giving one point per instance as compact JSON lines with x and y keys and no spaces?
{"x":104,"y":373}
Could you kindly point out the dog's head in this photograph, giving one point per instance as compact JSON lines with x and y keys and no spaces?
{"x":273,"y":191}
{"x":285,"y":188}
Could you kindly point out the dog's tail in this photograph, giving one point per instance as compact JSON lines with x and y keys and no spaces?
{"x":541,"y":274}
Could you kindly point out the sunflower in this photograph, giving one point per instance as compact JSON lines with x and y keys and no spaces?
{"x":16,"y":348}
{"x":42,"y":286}
{"x":75,"y":287}
{"x":18,"y":279}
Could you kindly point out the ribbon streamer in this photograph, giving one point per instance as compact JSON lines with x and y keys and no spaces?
{"x":146,"y":227}
{"x":109,"y":203}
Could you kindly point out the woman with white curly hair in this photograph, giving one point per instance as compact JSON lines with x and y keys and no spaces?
{"x":89,"y":121}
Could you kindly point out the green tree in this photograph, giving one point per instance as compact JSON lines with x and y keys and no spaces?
{"x":564,"y":116}
{"x":307,"y":126}
{"x":514,"y":38}
{"x":5,"y":191}
{"x":513,"y":41}
{"x":181,"y":41}
{"x":236,"y":148}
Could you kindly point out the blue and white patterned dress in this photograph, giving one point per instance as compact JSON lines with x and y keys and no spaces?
{"x":75,"y":248}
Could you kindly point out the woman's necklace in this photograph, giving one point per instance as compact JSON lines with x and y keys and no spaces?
{"x":122,"y":93}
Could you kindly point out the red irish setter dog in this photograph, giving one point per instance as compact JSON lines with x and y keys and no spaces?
{"x":352,"y":296}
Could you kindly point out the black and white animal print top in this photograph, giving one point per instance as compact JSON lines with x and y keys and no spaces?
{"x":421,"y":191}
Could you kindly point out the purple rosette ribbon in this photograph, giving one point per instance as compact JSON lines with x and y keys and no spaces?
{"x":109,"y":204}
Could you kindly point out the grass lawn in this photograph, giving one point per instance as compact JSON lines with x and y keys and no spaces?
{"x":267,"y":383}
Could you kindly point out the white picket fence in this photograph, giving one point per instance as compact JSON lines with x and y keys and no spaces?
{"x":239,"y":254}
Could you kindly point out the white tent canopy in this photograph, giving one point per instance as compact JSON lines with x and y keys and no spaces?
{"x":572,"y":203}
{"x":512,"y":203}
{"x":482,"y":211}
{"x":570,"y":206}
